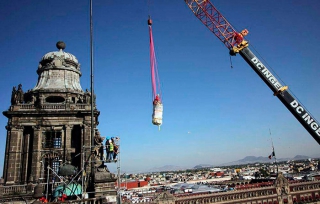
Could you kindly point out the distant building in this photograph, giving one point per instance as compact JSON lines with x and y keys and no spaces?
{"x":216,"y":169}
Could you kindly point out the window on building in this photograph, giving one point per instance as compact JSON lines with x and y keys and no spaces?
{"x":52,"y":139}
{"x":51,"y":163}
{"x":56,"y":164}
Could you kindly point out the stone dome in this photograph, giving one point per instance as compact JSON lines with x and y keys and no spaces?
{"x":59,"y":71}
{"x":53,"y":58}
{"x":60,"y":54}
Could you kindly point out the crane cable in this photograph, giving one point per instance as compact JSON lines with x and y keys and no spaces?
{"x":155,"y":82}
{"x":156,"y":90}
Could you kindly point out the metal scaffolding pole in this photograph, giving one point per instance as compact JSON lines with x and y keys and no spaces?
{"x":92,"y":93}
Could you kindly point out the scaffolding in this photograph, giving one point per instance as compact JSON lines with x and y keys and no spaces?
{"x":52,"y":177}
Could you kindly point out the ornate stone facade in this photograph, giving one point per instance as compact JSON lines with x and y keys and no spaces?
{"x":50,"y":122}
{"x":279,"y":192}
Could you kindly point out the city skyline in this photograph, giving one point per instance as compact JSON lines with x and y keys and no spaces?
{"x":212,"y":112}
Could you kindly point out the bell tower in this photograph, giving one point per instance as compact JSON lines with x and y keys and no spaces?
{"x":49,"y":123}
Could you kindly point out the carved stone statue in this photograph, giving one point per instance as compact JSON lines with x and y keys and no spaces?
{"x":97,"y":138}
{"x":102,"y":174}
{"x":14,"y":96}
{"x":80,"y":99}
{"x":98,"y":149}
{"x":20,"y":94}
{"x":33,"y":99}
{"x":87,"y":96}
{"x":17,"y":96}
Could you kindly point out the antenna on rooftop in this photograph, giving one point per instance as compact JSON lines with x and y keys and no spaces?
{"x":273,"y":154}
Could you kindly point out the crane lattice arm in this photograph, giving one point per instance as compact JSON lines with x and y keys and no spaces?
{"x":234,"y":41}
{"x":216,"y":23}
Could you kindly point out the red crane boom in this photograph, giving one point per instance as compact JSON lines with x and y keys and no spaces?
{"x":234,"y":41}
{"x":215,"y":22}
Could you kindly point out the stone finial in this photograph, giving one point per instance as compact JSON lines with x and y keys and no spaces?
{"x":61,"y":45}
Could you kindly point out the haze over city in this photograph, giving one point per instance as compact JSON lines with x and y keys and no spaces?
{"x":212,"y":113}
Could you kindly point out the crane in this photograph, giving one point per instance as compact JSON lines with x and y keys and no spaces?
{"x":207,"y":13}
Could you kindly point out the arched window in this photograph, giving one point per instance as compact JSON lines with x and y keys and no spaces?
{"x":50,"y":163}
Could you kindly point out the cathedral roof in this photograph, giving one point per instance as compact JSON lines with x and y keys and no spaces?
{"x":59,"y":54}
{"x":53,"y":58}
{"x":59,"y":71}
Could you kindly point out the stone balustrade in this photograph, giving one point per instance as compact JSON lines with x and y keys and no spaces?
{"x":13,"y":190}
{"x":26,"y":107}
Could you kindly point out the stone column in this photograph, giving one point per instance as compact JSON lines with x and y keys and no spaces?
{"x":87,"y":136}
{"x":82,"y":148}
{"x":87,"y":145}
{"x":67,"y":137}
{"x":6,"y":157}
{"x":36,"y":154}
{"x":25,"y":157}
{"x":63,"y":145}
{"x":14,"y":156}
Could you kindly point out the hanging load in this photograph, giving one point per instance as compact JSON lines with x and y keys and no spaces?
{"x":157,"y":111}
{"x":156,"y":91}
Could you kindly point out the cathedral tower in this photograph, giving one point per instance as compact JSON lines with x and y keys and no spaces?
{"x":49,"y":123}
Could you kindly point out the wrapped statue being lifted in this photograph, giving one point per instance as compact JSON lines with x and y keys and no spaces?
{"x":156,"y":91}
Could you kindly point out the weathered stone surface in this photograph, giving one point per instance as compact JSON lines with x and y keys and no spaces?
{"x":165,"y":198}
{"x":101,"y":177}
{"x":50,"y":122}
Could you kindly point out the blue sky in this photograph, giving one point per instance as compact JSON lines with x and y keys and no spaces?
{"x":212,"y":113}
